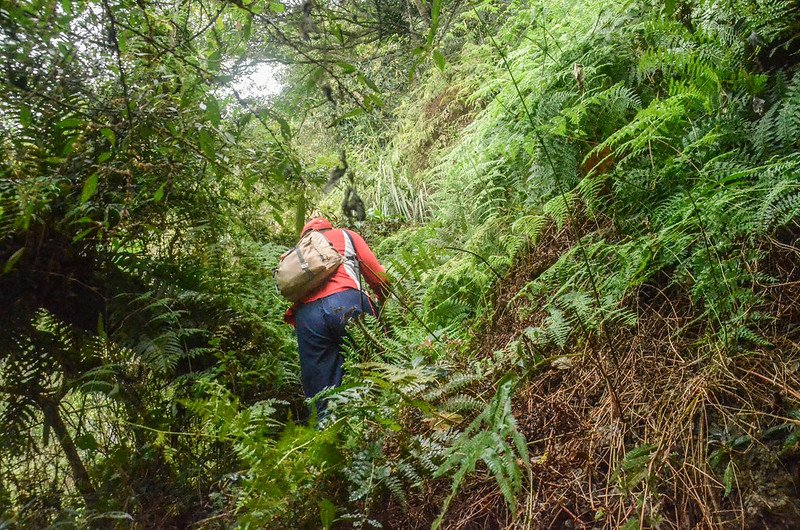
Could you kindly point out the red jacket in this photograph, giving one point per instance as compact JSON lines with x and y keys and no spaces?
{"x":371,"y":270}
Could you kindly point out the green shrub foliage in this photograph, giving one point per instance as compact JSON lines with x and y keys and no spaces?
{"x":527,"y":168}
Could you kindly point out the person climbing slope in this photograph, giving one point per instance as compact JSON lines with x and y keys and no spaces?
{"x":320,"y":317}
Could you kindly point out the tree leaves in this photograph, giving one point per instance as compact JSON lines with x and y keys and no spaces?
{"x":347,"y":68}
{"x":105,"y":173}
{"x":438,"y":59}
{"x":435,"y":12}
{"x":25,"y":117}
{"x":214,"y":60}
{"x":86,"y":441}
{"x":70,"y":123}
{"x":206,"y":141}
{"x":159,"y":194}
{"x":15,"y":257}
{"x":729,"y":478}
{"x":353,"y":113}
{"x":327,"y":513}
{"x":212,"y":113}
{"x":286,"y":130}
{"x":109,"y":135}
{"x":89,"y":188}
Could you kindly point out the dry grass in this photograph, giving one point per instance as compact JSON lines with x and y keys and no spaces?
{"x":680,"y":395}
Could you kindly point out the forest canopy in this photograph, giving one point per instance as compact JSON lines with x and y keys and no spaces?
{"x":589,"y":214}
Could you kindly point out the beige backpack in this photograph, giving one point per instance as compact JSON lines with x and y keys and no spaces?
{"x":306,"y":266}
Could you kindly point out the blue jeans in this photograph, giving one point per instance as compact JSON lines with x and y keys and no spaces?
{"x":320,"y":327}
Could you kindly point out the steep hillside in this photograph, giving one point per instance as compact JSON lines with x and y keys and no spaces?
{"x":613,"y":234}
{"x":590,"y":215}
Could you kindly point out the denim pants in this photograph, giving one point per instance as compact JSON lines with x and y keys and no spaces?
{"x":320,"y":327}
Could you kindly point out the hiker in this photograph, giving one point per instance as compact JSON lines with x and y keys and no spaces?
{"x":320,"y":317}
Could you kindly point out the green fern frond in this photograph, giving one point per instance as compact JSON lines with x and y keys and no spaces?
{"x":559,"y":207}
{"x":486,"y":439}
{"x":530,"y":226}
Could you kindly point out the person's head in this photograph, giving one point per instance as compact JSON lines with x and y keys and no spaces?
{"x":316,"y":223}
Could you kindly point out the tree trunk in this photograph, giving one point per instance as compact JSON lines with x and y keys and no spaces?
{"x":83,"y":483}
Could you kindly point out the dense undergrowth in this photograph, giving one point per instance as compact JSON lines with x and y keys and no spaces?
{"x":635,"y":177}
{"x":590,"y":217}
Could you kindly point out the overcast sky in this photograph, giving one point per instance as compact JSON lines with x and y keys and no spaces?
{"x":263,"y":81}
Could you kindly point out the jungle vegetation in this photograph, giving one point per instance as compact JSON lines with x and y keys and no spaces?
{"x":590,"y":212}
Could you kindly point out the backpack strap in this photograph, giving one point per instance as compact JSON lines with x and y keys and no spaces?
{"x":351,"y":265}
{"x":303,"y":264}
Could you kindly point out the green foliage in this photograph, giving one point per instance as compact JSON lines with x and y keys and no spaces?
{"x":494,"y":439}
{"x":127,"y":246}
{"x":144,"y":198}
{"x":635,"y":467}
